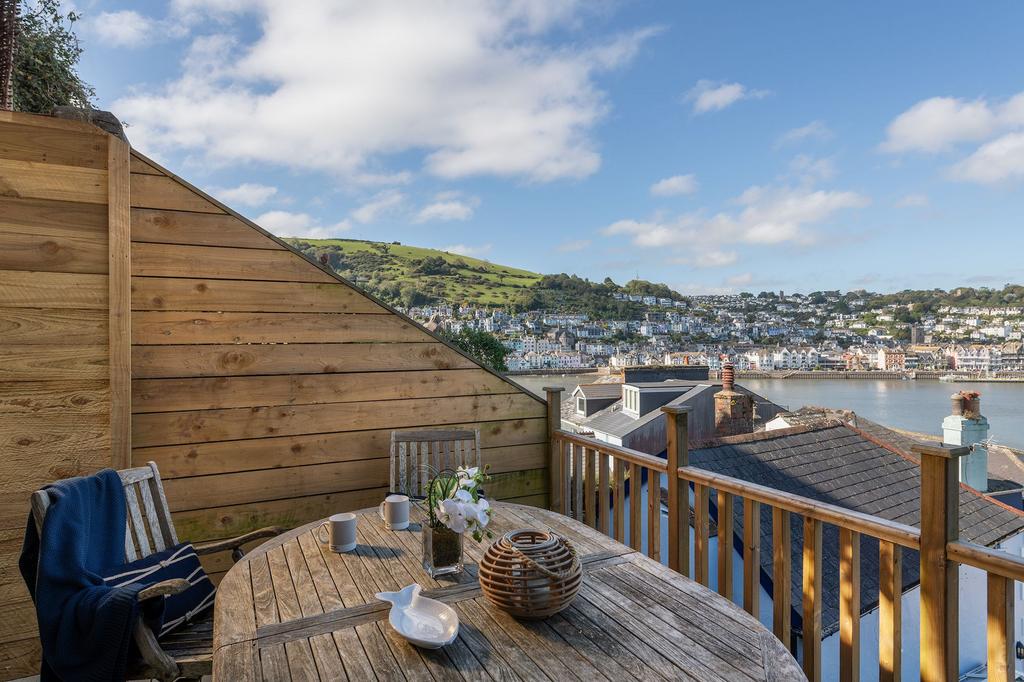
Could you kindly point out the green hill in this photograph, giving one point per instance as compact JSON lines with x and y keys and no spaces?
{"x":412,"y":275}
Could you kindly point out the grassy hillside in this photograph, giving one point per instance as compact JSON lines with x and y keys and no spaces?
{"x":412,"y":275}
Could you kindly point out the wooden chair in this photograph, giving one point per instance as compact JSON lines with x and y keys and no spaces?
{"x":414,"y":453}
{"x":188,"y":651}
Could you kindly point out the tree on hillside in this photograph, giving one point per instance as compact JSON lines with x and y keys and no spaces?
{"x":39,"y":55}
{"x":482,"y":346}
{"x":8,"y":37}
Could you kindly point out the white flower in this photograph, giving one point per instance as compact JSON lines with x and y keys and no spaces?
{"x":483,"y":512}
{"x":468,"y":472}
{"x":463,"y":495}
{"x":453,"y":515}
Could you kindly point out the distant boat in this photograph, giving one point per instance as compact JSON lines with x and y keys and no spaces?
{"x":948,"y":378}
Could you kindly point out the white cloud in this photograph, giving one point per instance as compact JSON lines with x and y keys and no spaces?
{"x":770,"y":215}
{"x":473,"y":87}
{"x":246,"y":194}
{"x":286,"y":224}
{"x":709,"y":95}
{"x":704,"y":256}
{"x":936,"y":124}
{"x":381,"y":204}
{"x":815,"y":130}
{"x":811,"y":169}
{"x":124,"y":28}
{"x":914,"y":200}
{"x":675,"y":185}
{"x":444,"y":211}
{"x":996,"y":161}
{"x":740,"y":280}
{"x":573,"y":246}
{"x":448,"y":206}
{"x":472,"y":251}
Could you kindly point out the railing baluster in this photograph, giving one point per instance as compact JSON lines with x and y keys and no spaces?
{"x":782,"y":581}
{"x":677,"y":455}
{"x":890,"y":610}
{"x":751,"y":556}
{"x":812,"y":599}
{"x":620,"y":500}
{"x":1000,"y":628}
{"x":654,"y":515}
{"x":590,"y":499}
{"x":635,"y":502}
{"x":700,"y":531}
{"x":725,"y":544}
{"x":940,"y":507}
{"x":577,"y":465}
{"x":566,"y":456}
{"x":602,"y":494}
{"x":558,"y":470}
{"x":849,"y":605}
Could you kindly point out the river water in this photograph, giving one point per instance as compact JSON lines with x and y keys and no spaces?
{"x":914,"y":405}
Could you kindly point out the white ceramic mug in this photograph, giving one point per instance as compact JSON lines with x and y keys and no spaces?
{"x":394,"y":511}
{"x":342,"y":532}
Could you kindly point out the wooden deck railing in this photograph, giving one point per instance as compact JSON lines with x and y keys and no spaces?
{"x":589,"y":482}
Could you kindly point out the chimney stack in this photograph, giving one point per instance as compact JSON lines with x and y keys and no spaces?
{"x":966,"y":427}
{"x":734,"y":411}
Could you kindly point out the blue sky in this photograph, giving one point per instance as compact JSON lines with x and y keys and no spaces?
{"x":712,"y":146}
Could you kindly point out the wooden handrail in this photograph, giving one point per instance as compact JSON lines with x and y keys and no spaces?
{"x":618,"y":452}
{"x":993,"y":561}
{"x":575,"y":457}
{"x":882,"y":529}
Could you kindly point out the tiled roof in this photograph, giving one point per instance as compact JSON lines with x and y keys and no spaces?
{"x":852,"y":468}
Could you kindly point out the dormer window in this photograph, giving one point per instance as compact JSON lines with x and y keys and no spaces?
{"x":581,"y":405}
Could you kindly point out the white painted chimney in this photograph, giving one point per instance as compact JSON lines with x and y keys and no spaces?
{"x":966,"y":427}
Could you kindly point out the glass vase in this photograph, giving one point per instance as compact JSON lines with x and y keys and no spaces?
{"x":442,"y":550}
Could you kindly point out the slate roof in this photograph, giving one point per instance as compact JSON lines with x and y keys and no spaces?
{"x":852,"y":468}
{"x":600,"y":390}
{"x":614,"y":421}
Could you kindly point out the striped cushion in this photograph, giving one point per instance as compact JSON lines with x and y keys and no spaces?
{"x":180,"y":561}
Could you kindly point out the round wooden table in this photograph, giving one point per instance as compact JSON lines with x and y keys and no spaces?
{"x":294,"y":610}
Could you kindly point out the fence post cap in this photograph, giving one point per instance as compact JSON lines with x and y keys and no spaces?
{"x":948,"y":452}
{"x":553,"y":389}
{"x":676,"y":409}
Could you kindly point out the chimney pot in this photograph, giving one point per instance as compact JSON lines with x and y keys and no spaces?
{"x":958,"y":404}
{"x":728,"y":376}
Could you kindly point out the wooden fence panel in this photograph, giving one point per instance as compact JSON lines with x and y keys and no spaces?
{"x":55,"y":403}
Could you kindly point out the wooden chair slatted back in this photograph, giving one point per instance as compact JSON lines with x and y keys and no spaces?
{"x":148,"y":527}
{"x":415,"y":453}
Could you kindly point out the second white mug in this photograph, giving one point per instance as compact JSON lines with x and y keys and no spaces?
{"x":394,"y":511}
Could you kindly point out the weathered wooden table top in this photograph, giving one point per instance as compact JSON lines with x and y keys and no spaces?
{"x":294,"y":610}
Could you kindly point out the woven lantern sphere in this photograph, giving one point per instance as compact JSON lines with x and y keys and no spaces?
{"x":530,"y":573}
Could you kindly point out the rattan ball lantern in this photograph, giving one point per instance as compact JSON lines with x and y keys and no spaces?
{"x":530,"y":573}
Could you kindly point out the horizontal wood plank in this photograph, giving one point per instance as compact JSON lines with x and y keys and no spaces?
{"x":52,"y":145}
{"x":28,"y":363}
{"x":211,"y":393}
{"x":150,"y":362}
{"x":32,"y":180}
{"x":44,"y":121}
{"x":179,"y":260}
{"x":160,"y":191}
{"x":139,"y":165}
{"x":233,"y":520}
{"x":62,"y":397}
{"x":52,"y":326}
{"x":164,"y":293}
{"x":265,"y":453}
{"x":199,"y":229}
{"x":20,"y":289}
{"x":53,"y":218}
{"x":23,"y":251}
{"x":159,"y":327}
{"x":202,"y":492}
{"x":246,"y":458}
{"x":214,"y":425}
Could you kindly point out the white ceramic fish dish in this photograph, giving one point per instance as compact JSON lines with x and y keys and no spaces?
{"x":425,"y":622}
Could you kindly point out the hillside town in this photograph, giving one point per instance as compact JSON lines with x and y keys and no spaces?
{"x":777,"y":332}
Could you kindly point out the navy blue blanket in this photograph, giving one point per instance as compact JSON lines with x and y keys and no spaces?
{"x":85,"y":626}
